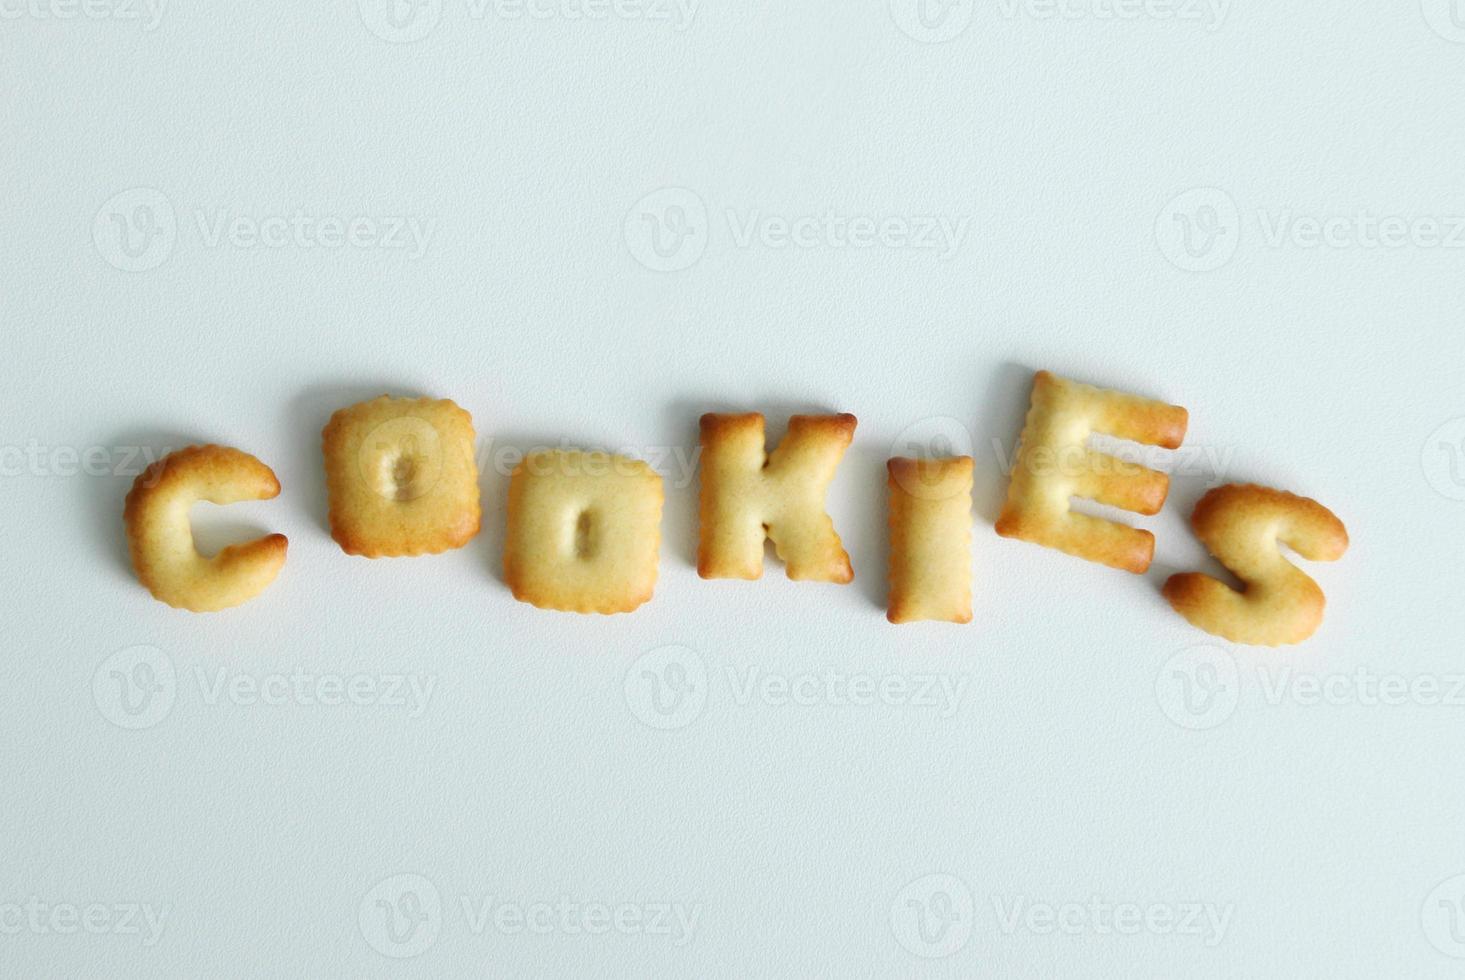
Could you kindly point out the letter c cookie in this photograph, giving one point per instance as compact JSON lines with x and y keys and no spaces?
{"x":161,"y":539}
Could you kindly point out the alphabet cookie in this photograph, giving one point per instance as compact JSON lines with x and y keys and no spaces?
{"x":401,"y":477}
{"x":583,"y":533}
{"x":749,"y":494}
{"x":1054,"y":463}
{"x":930,"y":539}
{"x":1241,"y":525}
{"x":160,"y":537}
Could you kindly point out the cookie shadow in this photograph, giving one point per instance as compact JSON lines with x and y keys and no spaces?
{"x":995,"y":435}
{"x":867,"y":469}
{"x":1184,"y":494}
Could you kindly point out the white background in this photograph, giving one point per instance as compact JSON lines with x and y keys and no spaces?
{"x":1100,"y":752}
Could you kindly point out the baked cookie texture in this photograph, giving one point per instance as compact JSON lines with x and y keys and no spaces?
{"x":584,"y":529}
{"x":1241,"y":525}
{"x":749,"y":494}
{"x":401,"y":477}
{"x":930,"y":539}
{"x":1054,"y":464}
{"x":160,"y":537}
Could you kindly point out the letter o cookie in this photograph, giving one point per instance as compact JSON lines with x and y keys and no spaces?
{"x":160,"y":537}
{"x":401,"y":477}
{"x":584,"y":531}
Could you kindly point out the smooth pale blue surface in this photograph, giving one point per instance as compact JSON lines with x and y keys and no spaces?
{"x":223,"y":222}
